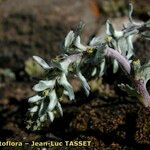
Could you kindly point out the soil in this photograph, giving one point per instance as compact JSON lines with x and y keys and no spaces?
{"x":108,"y":117}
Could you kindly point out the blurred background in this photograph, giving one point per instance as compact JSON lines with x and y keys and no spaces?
{"x":38,"y":27}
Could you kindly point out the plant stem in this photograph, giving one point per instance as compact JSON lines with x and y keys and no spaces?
{"x":138,"y":84}
{"x":145,"y":96}
{"x":72,"y":58}
{"x":121,"y":59}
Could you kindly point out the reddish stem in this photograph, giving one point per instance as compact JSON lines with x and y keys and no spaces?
{"x":120,"y":59}
{"x":138,"y":84}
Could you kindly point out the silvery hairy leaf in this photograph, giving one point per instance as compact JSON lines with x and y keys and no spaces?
{"x":33,"y":109}
{"x":130,"y":12}
{"x":63,"y":65}
{"x":131,"y":91}
{"x":83,"y":82}
{"x":96,"y":41}
{"x":41,"y":62}
{"x":42,"y":118}
{"x":99,"y":54}
{"x":69,"y":39}
{"x":57,"y":64}
{"x":146,"y":35}
{"x":43,"y":85}
{"x":121,"y":46}
{"x":60,"y":108}
{"x":102,"y":68}
{"x":53,"y":100}
{"x":34,"y":99}
{"x":125,"y":46}
{"x":78,"y":44}
{"x":109,"y":28}
{"x":67,"y":86}
{"x":147,"y":24}
{"x":115,"y":66}
{"x":130,"y":52}
{"x":112,"y":32}
{"x":65,"y":93}
{"x":43,"y":107}
{"x":40,"y":113}
{"x":94,"y":72}
{"x":51,"y":116}
{"x":144,"y":72}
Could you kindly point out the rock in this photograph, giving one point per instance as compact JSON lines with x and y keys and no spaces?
{"x":114,"y":123}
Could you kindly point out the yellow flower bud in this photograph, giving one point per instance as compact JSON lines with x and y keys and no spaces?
{"x":90,"y":50}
